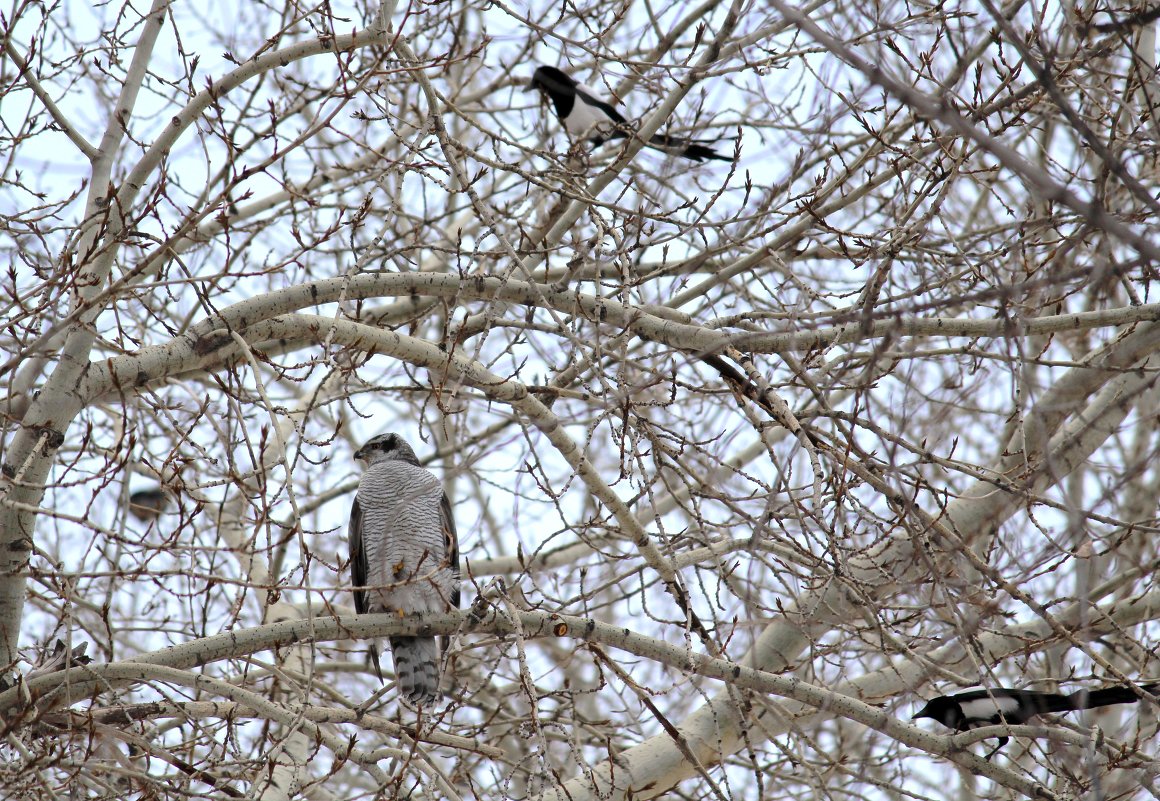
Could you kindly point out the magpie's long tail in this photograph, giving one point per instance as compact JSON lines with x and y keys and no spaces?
{"x":694,"y":149}
{"x":1106,"y":697}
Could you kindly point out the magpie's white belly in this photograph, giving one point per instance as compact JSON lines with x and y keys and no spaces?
{"x":586,"y":120}
{"x":988,"y":707}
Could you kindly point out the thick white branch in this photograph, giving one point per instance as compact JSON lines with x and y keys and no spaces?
{"x":170,"y":665}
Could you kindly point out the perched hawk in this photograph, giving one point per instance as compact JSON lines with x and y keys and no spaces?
{"x":404,"y":555}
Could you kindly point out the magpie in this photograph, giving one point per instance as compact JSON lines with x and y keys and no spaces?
{"x":586,"y":115}
{"x":977,"y":708}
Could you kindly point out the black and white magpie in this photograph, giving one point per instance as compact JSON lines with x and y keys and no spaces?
{"x":977,"y":708}
{"x":586,"y":115}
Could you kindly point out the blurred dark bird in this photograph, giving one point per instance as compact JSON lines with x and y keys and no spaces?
{"x":146,"y":505}
{"x":585,"y":115}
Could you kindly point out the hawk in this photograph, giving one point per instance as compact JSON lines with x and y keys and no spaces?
{"x":404,"y":555}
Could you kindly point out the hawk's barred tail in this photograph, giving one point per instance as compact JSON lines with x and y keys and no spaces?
{"x":417,"y":668}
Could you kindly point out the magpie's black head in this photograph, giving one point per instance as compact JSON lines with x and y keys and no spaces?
{"x":550,"y":79}
{"x":942,"y":709}
{"x":384,"y":447}
{"x":925,"y":712}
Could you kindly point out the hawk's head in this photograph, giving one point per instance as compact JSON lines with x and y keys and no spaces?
{"x":384,"y":447}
